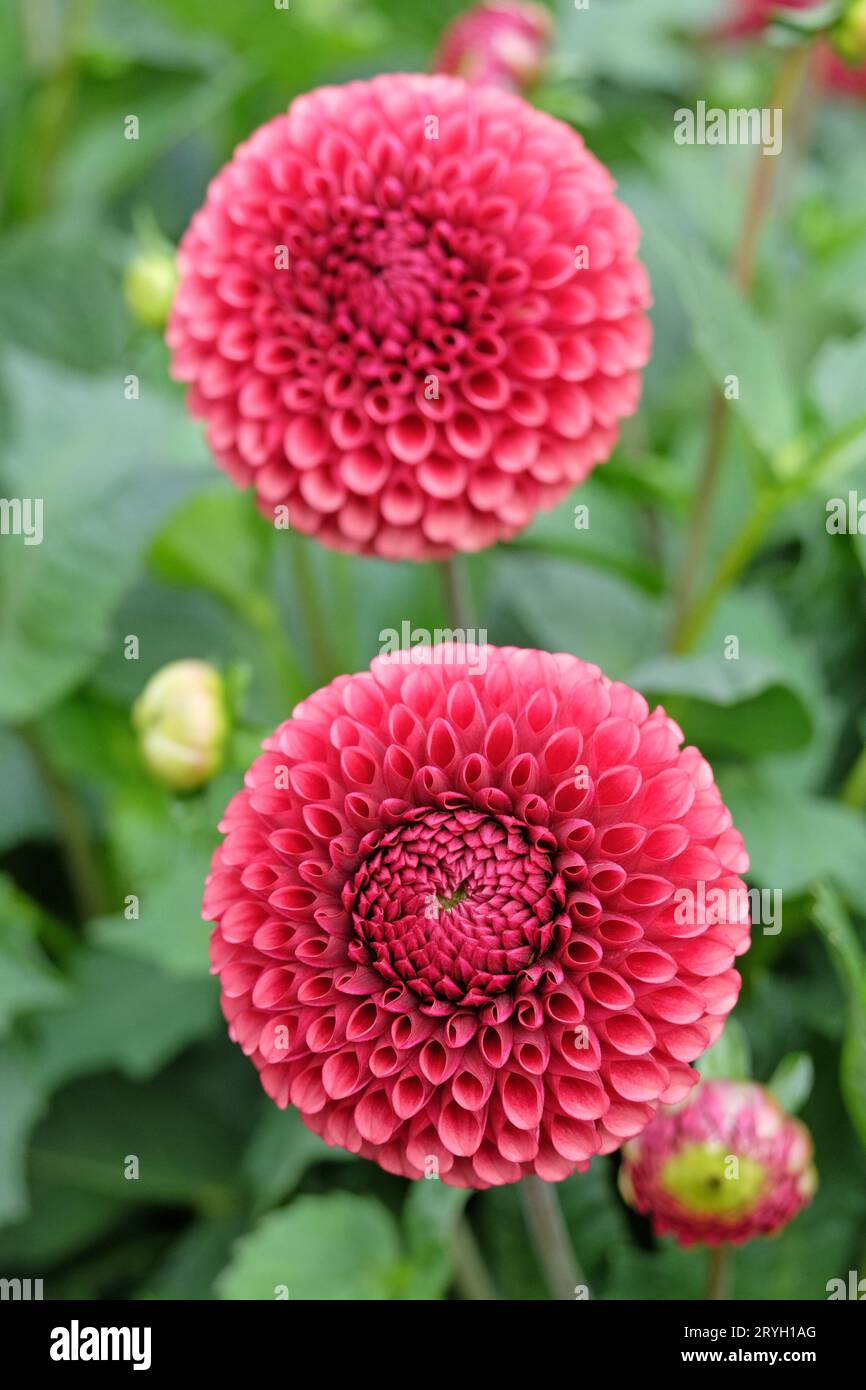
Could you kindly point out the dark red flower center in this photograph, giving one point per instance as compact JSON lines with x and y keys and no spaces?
{"x":457,"y":905}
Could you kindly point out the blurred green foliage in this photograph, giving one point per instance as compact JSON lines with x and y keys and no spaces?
{"x":111,"y":1042}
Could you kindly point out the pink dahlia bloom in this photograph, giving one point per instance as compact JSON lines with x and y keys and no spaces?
{"x":505,"y":44}
{"x":448,"y":926}
{"x":726,"y":1165}
{"x":382,"y":322}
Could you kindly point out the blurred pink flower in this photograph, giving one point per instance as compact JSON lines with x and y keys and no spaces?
{"x":724,"y":1166}
{"x":448,"y":913}
{"x":411,"y":312}
{"x":506,"y":44}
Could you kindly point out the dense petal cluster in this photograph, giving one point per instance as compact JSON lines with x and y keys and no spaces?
{"x":411,"y":313}
{"x":724,"y":1166}
{"x":505,"y":43}
{"x":449,"y":913}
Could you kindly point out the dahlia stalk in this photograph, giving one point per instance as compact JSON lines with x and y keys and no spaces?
{"x":688,"y":616}
{"x":448,"y":920}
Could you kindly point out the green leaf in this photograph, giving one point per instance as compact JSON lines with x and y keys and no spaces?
{"x":21,"y":1102}
{"x":567,"y":607}
{"x":730,"y":1057}
{"x":99,"y":465}
{"x":24,"y":809}
{"x":732,"y":341}
{"x":165,"y":845}
{"x":614,"y":538}
{"x":60,"y":297}
{"x":792,"y":1081}
{"x":794,"y":841}
{"x":186,"y":1145}
{"x":61,"y":1221}
{"x":338,"y":1247}
{"x":591,"y":41}
{"x":217,"y":541}
{"x":430,"y":1215}
{"x":194,"y":1261}
{"x":847,"y":955}
{"x":280,"y":1151}
{"x":27,"y":979}
{"x":668,"y":1273}
{"x":747,"y":705}
{"x":100,"y":161}
{"x":169,"y":932}
{"x":123,"y":1014}
{"x":837,"y":376}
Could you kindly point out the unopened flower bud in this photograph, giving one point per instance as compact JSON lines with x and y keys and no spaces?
{"x":182,"y":724}
{"x":149,"y":285}
{"x":725,"y":1165}
{"x":848,"y":34}
{"x":505,"y":44}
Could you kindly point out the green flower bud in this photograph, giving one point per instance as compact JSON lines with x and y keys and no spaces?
{"x":848,"y":34}
{"x":182,"y":724}
{"x":149,"y":286}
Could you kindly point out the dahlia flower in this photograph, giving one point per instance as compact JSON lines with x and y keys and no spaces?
{"x":724,"y":1166}
{"x":411,"y":313}
{"x":504,"y":43}
{"x":447,"y":910}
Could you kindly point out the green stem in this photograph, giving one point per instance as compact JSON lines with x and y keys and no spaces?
{"x":58,"y":94}
{"x":785,"y":87}
{"x":743,"y":547}
{"x":457,"y":593}
{"x":471,"y":1274}
{"x":79,"y":851}
{"x":550,"y":1238}
{"x":836,"y":455}
{"x":311,"y":611}
{"x":718,"y":1272}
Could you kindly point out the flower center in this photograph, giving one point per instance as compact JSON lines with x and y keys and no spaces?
{"x":711,"y":1182}
{"x":458,"y":905}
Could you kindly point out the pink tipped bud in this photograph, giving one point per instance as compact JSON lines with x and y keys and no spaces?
{"x":504,"y":44}
{"x":725,"y":1165}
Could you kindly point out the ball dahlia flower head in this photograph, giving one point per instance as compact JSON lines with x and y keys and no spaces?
{"x":724,"y":1166}
{"x":411,"y":313}
{"x":447,"y":920}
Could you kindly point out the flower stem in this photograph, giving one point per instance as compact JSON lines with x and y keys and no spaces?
{"x":718,"y":1272}
{"x":550,"y":1238}
{"x":457,"y":593}
{"x":785,"y":87}
{"x":311,"y":612}
{"x":79,"y":851}
{"x":471,"y":1274}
